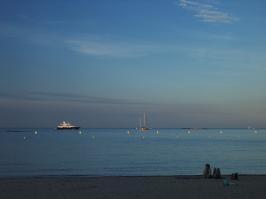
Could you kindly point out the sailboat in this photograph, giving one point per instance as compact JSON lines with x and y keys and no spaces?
{"x":143,"y":127}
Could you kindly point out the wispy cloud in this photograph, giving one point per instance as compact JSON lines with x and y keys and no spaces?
{"x":102,"y":48}
{"x":206,"y":12}
{"x":92,"y":45}
{"x":66,"y":97}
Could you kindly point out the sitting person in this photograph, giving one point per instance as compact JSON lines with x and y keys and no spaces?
{"x":234,"y":176}
{"x":214,"y":172}
{"x":207,"y":171}
{"x":217,"y":173}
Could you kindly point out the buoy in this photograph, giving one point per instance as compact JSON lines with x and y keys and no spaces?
{"x":157,"y":132}
{"x":24,"y":138}
{"x":80,"y":132}
{"x":128,"y":132}
{"x":221,"y":132}
{"x":35,"y":132}
{"x":188,"y":132}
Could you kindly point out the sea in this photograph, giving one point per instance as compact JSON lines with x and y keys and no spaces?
{"x":129,"y":152}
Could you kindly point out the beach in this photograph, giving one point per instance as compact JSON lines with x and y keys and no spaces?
{"x":153,"y":187}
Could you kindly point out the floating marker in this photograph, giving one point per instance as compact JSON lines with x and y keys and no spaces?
{"x":80,"y":132}
{"x":128,"y":132}
{"x":221,"y":132}
{"x":157,"y":132}
{"x":255,"y":131}
{"x":188,"y":132}
{"x":36,"y":132}
{"x":24,"y":138}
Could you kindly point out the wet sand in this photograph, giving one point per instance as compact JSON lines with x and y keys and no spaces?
{"x":164,"y":187}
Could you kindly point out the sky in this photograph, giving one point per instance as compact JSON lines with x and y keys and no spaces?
{"x":101,"y":63}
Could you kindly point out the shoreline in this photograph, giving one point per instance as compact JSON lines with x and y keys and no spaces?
{"x":195,"y":176}
{"x":115,"y":187}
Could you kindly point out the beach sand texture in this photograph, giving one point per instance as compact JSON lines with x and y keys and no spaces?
{"x":191,"y":187}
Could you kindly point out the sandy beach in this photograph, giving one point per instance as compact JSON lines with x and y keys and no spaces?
{"x":191,"y":187}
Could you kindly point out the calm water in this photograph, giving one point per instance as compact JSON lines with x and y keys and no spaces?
{"x":115,"y":152}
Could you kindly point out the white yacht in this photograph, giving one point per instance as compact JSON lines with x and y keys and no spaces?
{"x":66,"y":125}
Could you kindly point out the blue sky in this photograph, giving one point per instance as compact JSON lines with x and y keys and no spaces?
{"x":99,"y":63}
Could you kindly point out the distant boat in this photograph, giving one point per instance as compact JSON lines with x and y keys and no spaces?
{"x":143,"y":127}
{"x":66,"y":125}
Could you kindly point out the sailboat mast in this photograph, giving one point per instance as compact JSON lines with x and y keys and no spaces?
{"x":139,"y":122}
{"x":144,"y":119}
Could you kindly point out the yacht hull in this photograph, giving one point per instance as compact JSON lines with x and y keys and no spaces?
{"x":68,"y":128}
